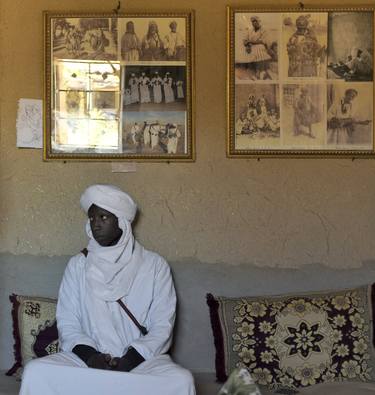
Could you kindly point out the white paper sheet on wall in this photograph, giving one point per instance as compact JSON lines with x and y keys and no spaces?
{"x":30,"y":123}
{"x":123,"y":167}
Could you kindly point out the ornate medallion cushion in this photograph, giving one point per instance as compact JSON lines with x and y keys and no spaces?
{"x":287,"y":342}
{"x":34,"y":330}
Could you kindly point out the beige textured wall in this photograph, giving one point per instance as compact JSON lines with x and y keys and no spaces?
{"x":275,"y":212}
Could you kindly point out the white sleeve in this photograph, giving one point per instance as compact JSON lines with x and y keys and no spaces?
{"x":68,"y":313}
{"x":161,"y":317}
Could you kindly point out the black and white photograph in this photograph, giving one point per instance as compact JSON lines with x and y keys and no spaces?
{"x":154,"y":88}
{"x":117,"y":80}
{"x":304,"y":47}
{"x":257,"y":116}
{"x":257,"y":39}
{"x":152,"y":39}
{"x":84,"y":38}
{"x":350,"y":115}
{"x":350,"y":46}
{"x":154,"y":133}
{"x":304,"y":115}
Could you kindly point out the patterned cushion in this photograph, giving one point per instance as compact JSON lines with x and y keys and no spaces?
{"x":34,"y":329}
{"x":295,"y":341}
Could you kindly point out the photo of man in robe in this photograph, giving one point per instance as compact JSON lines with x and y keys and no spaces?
{"x":256,"y":46}
{"x":173,"y":134}
{"x":304,"y":108}
{"x":174,"y":44}
{"x":115,"y":313}
{"x":305,"y":53}
{"x":144,"y":88}
{"x":345,"y":124}
{"x":152,"y":44}
{"x":134,"y":88}
{"x":305,"y":114}
{"x":168,"y":88}
{"x":130,"y":44}
{"x":156,"y":83}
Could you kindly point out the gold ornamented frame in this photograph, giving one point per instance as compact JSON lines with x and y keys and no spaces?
{"x":300,"y":82}
{"x":119,"y":86}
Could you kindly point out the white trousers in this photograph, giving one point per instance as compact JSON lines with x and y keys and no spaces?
{"x":66,"y":374}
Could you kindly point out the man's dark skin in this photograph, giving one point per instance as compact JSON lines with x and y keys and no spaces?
{"x":105,"y":230}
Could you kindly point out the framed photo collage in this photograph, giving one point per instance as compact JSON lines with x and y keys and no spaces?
{"x":119,"y":87}
{"x":300,"y":82}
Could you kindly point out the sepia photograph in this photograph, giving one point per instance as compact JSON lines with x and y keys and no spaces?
{"x":86,"y":76}
{"x":154,"y":88}
{"x":350,"y":115}
{"x":86,"y":135}
{"x":314,"y":96}
{"x":152,"y":39}
{"x":106,"y":74}
{"x":154,"y":133}
{"x":304,"y":45}
{"x":304,"y":115}
{"x":350,"y":46}
{"x":256,"y":45}
{"x":84,"y":38}
{"x":72,"y":104}
{"x":104,"y":105}
{"x":72,"y":75}
{"x":257,"y":116}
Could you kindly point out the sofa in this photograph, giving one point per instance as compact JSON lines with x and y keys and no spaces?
{"x":193,"y":341}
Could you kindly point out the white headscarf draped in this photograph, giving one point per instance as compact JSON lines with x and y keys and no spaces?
{"x":110,"y":271}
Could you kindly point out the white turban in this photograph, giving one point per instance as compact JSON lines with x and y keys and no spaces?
{"x":111,"y":199}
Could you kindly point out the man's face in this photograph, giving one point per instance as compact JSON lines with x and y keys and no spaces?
{"x":349,"y":97}
{"x":255,"y":24}
{"x":173,"y":27}
{"x":104,"y":226}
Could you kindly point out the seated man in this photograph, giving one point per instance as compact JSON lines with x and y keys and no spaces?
{"x":115,"y":313}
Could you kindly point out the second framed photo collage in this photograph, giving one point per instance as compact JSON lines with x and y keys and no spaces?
{"x":120,"y":87}
{"x":300,"y":82}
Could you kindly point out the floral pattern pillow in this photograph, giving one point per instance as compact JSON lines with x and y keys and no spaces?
{"x":287,"y":342}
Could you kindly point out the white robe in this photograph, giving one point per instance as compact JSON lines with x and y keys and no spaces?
{"x":152,"y":301}
{"x":168,"y":90}
{"x":134,"y":88}
{"x":154,"y":131}
{"x":173,"y":135}
{"x":180,"y":90}
{"x":156,"y":86}
{"x":144,"y":89}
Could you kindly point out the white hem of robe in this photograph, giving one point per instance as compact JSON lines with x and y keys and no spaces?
{"x":66,"y":374}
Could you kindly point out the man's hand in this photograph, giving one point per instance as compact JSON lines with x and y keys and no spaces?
{"x":127,"y":362}
{"x":99,"y":361}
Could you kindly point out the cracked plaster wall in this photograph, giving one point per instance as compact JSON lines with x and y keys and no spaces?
{"x":272,"y":212}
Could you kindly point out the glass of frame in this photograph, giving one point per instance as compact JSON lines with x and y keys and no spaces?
{"x":300,"y":82}
{"x":119,"y":87}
